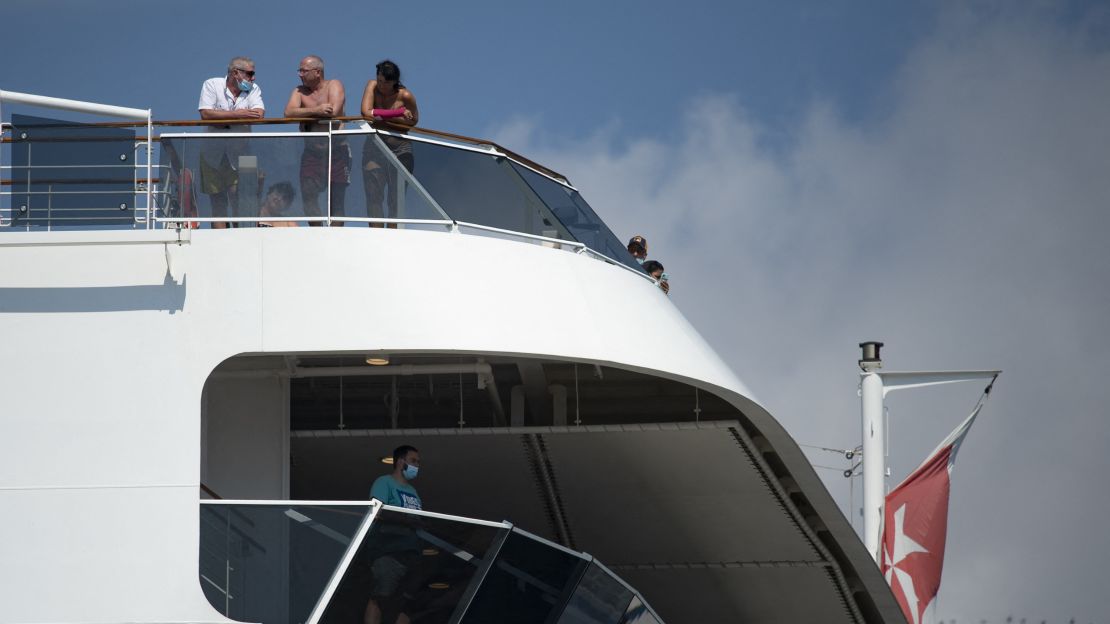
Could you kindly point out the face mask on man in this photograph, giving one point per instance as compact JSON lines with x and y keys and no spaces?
{"x":245,"y":86}
{"x":410,"y":472}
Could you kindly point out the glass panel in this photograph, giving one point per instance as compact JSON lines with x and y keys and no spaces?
{"x":479,"y":188}
{"x":578,"y":217}
{"x":270,"y":563}
{"x":598,"y":599}
{"x":251,"y":178}
{"x":410,"y":565}
{"x":381,"y":190}
{"x":637,"y":613}
{"x":66,"y":174}
{"x":528,"y":582}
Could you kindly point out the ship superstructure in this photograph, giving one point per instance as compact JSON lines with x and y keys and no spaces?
{"x":192,"y":416}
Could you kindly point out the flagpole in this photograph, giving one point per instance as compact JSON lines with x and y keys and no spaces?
{"x":874,"y":453}
{"x":874,"y":386}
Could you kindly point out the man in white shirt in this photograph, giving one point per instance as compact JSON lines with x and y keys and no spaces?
{"x":235,"y":96}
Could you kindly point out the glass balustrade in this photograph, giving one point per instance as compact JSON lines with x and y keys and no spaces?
{"x":332,"y":563}
{"x":64,"y":174}
{"x":67,"y":175}
{"x":270,"y":563}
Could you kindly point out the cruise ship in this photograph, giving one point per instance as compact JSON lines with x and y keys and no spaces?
{"x":195,"y":405}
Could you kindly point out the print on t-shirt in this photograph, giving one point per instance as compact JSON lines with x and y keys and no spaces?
{"x":408,"y":501}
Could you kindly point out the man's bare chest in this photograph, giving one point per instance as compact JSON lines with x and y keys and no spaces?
{"x":314,"y":98}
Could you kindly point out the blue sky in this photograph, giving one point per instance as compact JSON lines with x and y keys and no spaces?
{"x":575,"y":65}
{"x":929,"y":174}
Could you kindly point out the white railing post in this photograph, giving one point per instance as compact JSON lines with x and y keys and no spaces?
{"x":149,"y":170}
{"x":327,"y":187}
{"x":874,"y":459}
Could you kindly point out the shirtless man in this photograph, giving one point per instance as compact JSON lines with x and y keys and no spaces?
{"x":386,"y":93}
{"x":322,"y":98}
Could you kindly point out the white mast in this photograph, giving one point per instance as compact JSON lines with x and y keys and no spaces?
{"x":874,"y":386}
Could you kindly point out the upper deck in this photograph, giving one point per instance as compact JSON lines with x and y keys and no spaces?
{"x":141,"y":175}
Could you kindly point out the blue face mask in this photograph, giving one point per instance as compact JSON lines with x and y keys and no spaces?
{"x":245,"y":86}
{"x":410,"y":472}
{"x":640,"y":260}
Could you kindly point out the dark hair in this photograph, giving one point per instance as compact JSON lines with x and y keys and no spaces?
{"x":400,"y":452}
{"x":388,"y":69}
{"x":652,"y":266}
{"x":285,"y":190}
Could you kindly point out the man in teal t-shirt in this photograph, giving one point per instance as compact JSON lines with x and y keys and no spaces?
{"x":395,"y":488}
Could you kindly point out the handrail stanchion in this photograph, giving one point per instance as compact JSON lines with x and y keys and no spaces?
{"x":149,"y":171}
{"x":327,"y":176}
{"x":2,"y":126}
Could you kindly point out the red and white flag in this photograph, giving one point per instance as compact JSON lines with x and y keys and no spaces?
{"x":915,"y":525}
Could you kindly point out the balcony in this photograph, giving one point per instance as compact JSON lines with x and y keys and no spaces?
{"x":338,"y":562}
{"x":62,"y":175}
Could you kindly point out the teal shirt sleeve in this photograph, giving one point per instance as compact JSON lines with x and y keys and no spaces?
{"x":381,"y":490}
{"x":392,"y":493}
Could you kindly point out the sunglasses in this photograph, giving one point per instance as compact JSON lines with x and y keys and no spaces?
{"x":248,"y":74}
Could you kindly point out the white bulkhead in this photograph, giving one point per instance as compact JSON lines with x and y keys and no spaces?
{"x":110,"y":336}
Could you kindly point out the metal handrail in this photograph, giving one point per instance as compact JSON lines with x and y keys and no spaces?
{"x":150,"y":186}
{"x":385,"y":125}
{"x":144,"y":117}
{"x":546,"y":239}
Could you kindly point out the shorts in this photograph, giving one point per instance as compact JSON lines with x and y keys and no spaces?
{"x":218,"y":157}
{"x":388,"y":573}
{"x":314,"y":161}
{"x":217,"y":178}
{"x":373,"y":158}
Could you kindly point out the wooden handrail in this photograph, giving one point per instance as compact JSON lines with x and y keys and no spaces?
{"x":385,"y":125}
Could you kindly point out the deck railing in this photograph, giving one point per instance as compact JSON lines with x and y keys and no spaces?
{"x":67,"y":175}
{"x":324,"y":561}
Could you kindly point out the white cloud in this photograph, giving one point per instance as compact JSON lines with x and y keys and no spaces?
{"x":968,"y":227}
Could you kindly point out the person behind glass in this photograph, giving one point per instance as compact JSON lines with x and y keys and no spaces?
{"x":655,"y":269}
{"x":234,"y":96}
{"x":276,"y":203}
{"x":321,"y":98}
{"x":637,"y":246}
{"x":396,"y":488}
{"x":385,"y":98}
{"x":394,"y":572}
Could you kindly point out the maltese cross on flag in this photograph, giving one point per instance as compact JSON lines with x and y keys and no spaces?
{"x":915,"y":525}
